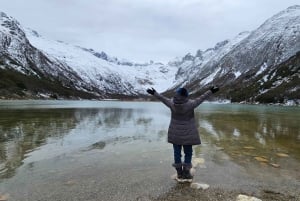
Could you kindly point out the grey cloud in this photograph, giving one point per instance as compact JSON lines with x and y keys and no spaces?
{"x":143,"y":30}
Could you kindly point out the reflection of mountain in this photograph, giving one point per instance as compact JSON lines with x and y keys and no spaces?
{"x":24,"y":131}
{"x":265,"y":131}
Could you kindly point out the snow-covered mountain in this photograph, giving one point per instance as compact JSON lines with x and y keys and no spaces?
{"x":204,"y":62}
{"x":83,"y":69}
{"x":246,"y":67}
{"x":21,"y":62}
{"x":273,"y":42}
{"x":103,"y":72}
{"x":244,"y":59}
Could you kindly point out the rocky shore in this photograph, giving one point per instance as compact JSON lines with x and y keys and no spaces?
{"x":184,"y":192}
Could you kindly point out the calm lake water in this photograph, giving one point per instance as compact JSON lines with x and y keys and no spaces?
{"x":111,"y":150}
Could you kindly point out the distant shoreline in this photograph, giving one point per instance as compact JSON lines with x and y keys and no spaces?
{"x":289,"y":103}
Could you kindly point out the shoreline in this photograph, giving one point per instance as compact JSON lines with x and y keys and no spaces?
{"x":82,"y":175}
{"x":92,"y":190}
{"x":225,"y":102}
{"x":185,"y":192}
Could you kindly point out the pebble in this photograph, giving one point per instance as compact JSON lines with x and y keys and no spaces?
{"x":4,"y":197}
{"x":275,"y":165}
{"x":261,"y":159}
{"x":249,"y":147}
{"x":70,"y":183}
{"x":199,"y":186}
{"x":282,"y":155}
{"x":246,"y":198}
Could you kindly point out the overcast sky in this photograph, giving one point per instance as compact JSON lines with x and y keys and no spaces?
{"x":143,"y":30}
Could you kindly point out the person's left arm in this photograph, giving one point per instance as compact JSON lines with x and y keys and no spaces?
{"x":204,"y":96}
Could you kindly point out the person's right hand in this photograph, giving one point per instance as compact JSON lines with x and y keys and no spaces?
{"x":151,"y":91}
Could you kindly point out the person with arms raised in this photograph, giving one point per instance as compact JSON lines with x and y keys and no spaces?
{"x":183,"y":132}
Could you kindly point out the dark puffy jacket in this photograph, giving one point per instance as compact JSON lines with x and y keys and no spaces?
{"x":182,"y":128}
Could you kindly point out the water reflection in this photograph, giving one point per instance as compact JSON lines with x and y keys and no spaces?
{"x":244,"y":134}
{"x":22,"y":131}
{"x":32,"y":135}
{"x":255,"y":134}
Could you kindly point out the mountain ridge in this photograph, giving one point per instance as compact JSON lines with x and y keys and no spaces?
{"x":273,"y":43}
{"x":254,"y":53}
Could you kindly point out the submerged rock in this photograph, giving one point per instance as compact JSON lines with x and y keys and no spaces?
{"x":249,"y":147}
{"x":70,"y":183}
{"x":98,"y":145}
{"x":246,"y":198}
{"x":282,"y":155}
{"x":197,"y":161}
{"x":199,"y":186}
{"x":275,"y":165}
{"x":261,"y":159}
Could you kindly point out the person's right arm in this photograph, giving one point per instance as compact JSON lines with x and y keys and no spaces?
{"x":163,"y":99}
{"x":160,"y":97}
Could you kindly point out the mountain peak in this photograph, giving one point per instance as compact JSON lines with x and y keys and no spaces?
{"x":290,"y":11}
{"x":3,"y":15}
{"x":294,"y":7}
{"x":11,"y":26}
{"x":188,"y":57}
{"x":221,"y":44}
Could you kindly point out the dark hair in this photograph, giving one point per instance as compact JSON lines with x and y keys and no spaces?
{"x":182,"y":92}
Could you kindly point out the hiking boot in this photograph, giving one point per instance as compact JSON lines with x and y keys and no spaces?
{"x":178,"y":167}
{"x":179,"y":174}
{"x":186,"y":173}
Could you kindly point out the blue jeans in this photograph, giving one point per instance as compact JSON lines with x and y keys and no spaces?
{"x":188,"y":152}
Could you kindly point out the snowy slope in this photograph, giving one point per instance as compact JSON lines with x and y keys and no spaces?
{"x":249,"y":59}
{"x":12,"y":39}
{"x":275,"y":41}
{"x":103,"y":74}
{"x":203,"y":64}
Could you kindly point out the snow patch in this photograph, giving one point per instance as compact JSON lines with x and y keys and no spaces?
{"x":262,"y":69}
{"x":237,"y":74}
{"x":210,"y":78}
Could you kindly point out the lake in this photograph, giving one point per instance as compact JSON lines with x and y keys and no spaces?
{"x":113,"y":150}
